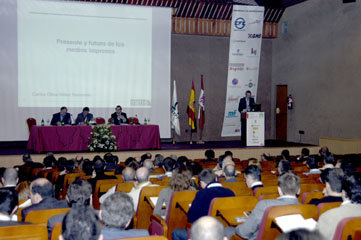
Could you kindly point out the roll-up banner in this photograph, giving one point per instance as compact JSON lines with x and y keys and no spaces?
{"x":243,"y":63}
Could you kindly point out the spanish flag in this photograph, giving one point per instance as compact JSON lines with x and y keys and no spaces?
{"x":191,"y":109}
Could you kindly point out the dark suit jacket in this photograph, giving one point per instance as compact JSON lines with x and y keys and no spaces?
{"x":327,"y":199}
{"x":80,"y":118}
{"x":99,"y":176}
{"x":243,"y":104}
{"x":56,"y":118}
{"x":46,"y":203}
{"x":12,"y":189}
{"x":118,"y":122}
{"x":203,"y":198}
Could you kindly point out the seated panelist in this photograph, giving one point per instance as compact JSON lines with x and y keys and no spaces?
{"x":83,"y":117}
{"x":119,"y":117}
{"x":61,"y":118}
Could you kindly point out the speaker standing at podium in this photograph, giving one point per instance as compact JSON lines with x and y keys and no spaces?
{"x":245,"y":105}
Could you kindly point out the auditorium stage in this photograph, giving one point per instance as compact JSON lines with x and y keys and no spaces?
{"x":11,"y":153}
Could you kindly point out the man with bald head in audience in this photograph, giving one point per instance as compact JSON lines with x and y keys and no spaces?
{"x":42,"y":197}
{"x":10,"y":179}
{"x":229,"y":172}
{"x":142,"y":180}
{"x":207,"y":228}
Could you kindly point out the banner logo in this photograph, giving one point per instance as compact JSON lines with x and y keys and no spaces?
{"x":253,"y":35}
{"x":253,"y":51}
{"x":235,"y":81}
{"x":240,"y":23}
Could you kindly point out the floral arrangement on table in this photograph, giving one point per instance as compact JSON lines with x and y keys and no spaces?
{"x":102,"y":139}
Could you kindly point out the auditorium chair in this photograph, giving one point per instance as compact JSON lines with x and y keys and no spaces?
{"x":268,"y":196}
{"x":324,"y":207}
{"x":102,"y":186}
{"x":164,"y":182}
{"x":56,"y":231}
{"x":308,"y":196}
{"x":68,"y":179}
{"x":267,"y":190}
{"x":24,"y":232}
{"x":45,"y":173}
{"x":30,"y":122}
{"x":145,"y":206}
{"x":268,"y":229}
{"x":269,"y":176}
{"x":99,"y":120}
{"x":311,"y":187}
{"x":42,"y":216}
{"x":239,"y":188}
{"x":176,"y":216}
{"x":270,"y":182}
{"x":124,"y":187}
{"x":348,"y":228}
{"x":35,"y":172}
{"x":301,"y":169}
{"x":238,"y":203}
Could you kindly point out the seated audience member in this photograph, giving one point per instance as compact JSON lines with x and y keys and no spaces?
{"x":312,"y":164}
{"x":266,"y":157}
{"x":8,"y":205}
{"x":142,"y":180}
{"x":116,"y":213}
{"x":285,"y":154}
{"x":182,"y":162}
{"x":84,"y":117}
{"x":81,"y":223}
{"x":200,"y":205}
{"x":351,"y":206}
{"x":180,"y":181}
{"x":119,"y":117}
{"x":252,"y":175}
{"x":300,"y":234}
{"x":254,"y":161}
{"x":145,"y":156}
{"x":209,"y":154}
{"x":23,"y":189}
{"x":332,"y":178}
{"x":49,"y":162}
{"x":110,"y":163}
{"x":99,"y":168}
{"x":225,"y":161}
{"x":168,"y":166}
{"x":328,"y":161}
{"x":288,"y":188}
{"x":228,"y":154}
{"x":283,"y":167}
{"x":229,"y":172}
{"x":158,"y":160}
{"x":87,"y":167}
{"x":42,"y":197}
{"x":194,"y":167}
{"x":9,"y":180}
{"x":207,"y":228}
{"x":78,"y":194}
{"x":323,"y":151}
{"x":128,"y":175}
{"x":348,"y":167}
{"x":25,"y":169}
{"x":69,"y":168}
{"x":305,"y":153}
{"x":61,"y":118}
{"x":149,"y":165}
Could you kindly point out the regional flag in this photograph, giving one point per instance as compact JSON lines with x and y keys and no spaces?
{"x":191,"y":109}
{"x":174,"y":111}
{"x":201,"y":103}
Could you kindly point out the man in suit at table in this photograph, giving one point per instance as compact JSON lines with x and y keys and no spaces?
{"x":119,"y":117}
{"x":83,"y":117}
{"x":288,"y":188}
{"x":246,"y":103}
{"x":62,"y":117}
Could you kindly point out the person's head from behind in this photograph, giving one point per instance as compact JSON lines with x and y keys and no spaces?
{"x":63,"y":111}
{"x":145,"y":156}
{"x":168,"y":164}
{"x":8,"y":202}
{"x":49,"y":161}
{"x":332,"y":178}
{"x":194,"y":167}
{"x":10,"y":177}
{"x":85,"y":111}
{"x":254,"y":161}
{"x":348,"y":167}
{"x":61,"y":163}
{"x":27,"y":158}
{"x":228,"y":160}
{"x":312,"y":163}
{"x":351,"y":187}
{"x":205,"y":177}
{"x":99,"y":166}
{"x":300,"y":234}
{"x":305,"y":152}
{"x":148,"y":164}
{"x":228,"y":153}
{"x":118,"y":109}
{"x":79,"y":193}
{"x":182,"y":161}
{"x":285,"y":154}
{"x":248,"y":94}
{"x":23,"y":189}
{"x":81,"y":223}
{"x":108,"y":158}
{"x":158,"y":160}
{"x":209,"y":154}
{"x":69,"y":166}
{"x":117,"y":210}
{"x":87,"y":167}
{"x":288,"y":184}
{"x":128,"y":174}
{"x":208,"y":228}
{"x":323,"y":151}
{"x":142,"y":175}
{"x":284,"y":166}
{"x":252,"y":174}
{"x":229,"y":171}
{"x":328,"y":159}
{"x":181,"y":180}
{"x":40,"y":189}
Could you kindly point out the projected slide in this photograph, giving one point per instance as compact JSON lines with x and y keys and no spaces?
{"x":84,"y":56}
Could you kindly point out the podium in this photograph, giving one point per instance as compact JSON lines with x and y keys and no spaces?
{"x":252,"y":128}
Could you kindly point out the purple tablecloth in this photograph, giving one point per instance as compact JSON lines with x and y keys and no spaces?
{"x":75,"y":138}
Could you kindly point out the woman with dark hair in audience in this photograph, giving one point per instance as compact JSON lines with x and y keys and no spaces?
{"x":209,"y":154}
{"x":181,"y":181}
{"x":284,"y":166}
{"x":87,"y":167}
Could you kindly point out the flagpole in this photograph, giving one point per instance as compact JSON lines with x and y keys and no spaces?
{"x":191,"y":142}
{"x":173,"y":135}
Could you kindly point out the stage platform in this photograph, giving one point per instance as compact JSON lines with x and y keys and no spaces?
{"x":11,"y":153}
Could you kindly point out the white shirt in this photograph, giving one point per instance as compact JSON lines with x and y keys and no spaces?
{"x":257,"y":183}
{"x":135,"y":192}
{"x":4,"y":217}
